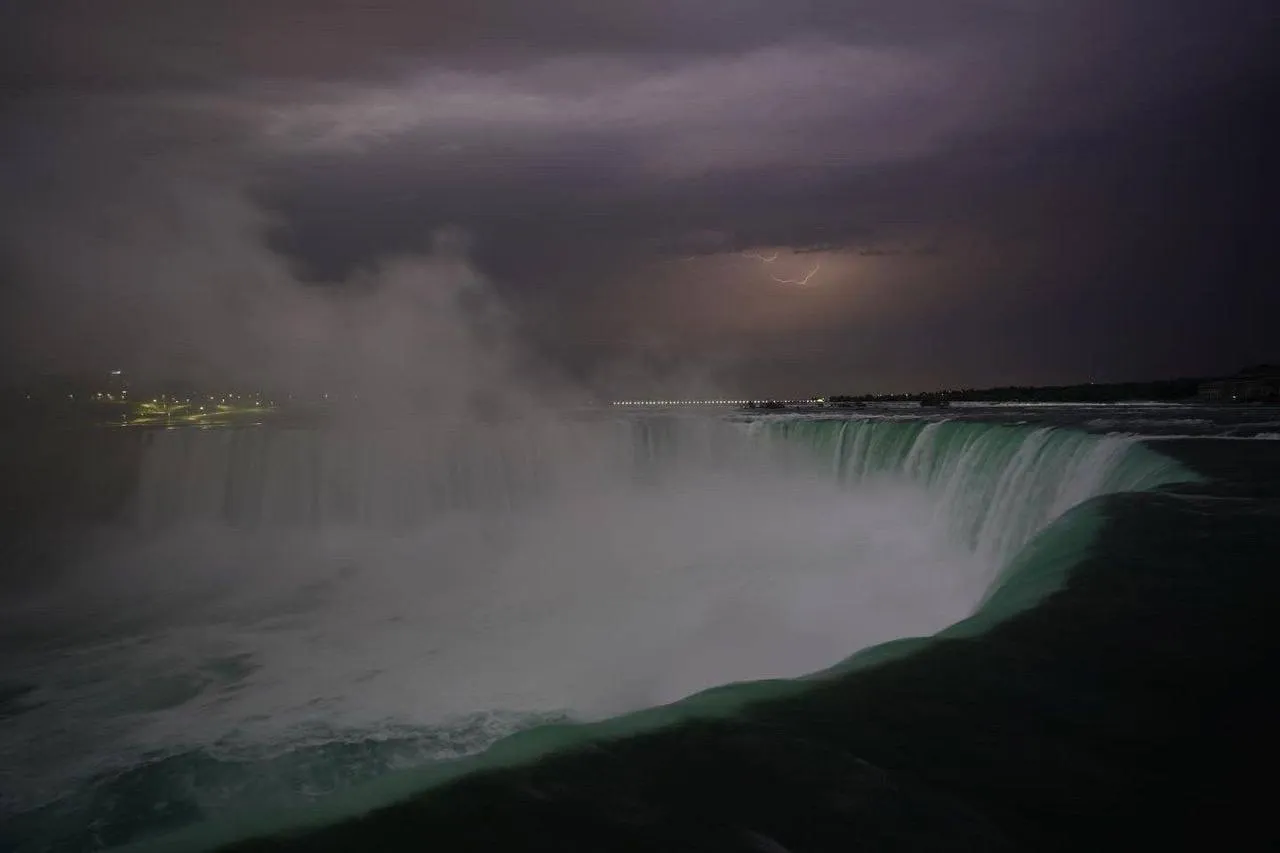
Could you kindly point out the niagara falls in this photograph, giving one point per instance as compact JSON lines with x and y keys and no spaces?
{"x":759,"y":427}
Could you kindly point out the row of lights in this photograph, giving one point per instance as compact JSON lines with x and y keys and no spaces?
{"x":708,"y":402}
{"x":188,"y":401}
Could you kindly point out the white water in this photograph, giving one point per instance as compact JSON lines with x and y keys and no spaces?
{"x":282,"y":588}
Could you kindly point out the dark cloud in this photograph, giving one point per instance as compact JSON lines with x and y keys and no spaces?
{"x":164,"y":43}
{"x":991,"y":190}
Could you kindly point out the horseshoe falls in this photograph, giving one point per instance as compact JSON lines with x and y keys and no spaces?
{"x":670,"y":632}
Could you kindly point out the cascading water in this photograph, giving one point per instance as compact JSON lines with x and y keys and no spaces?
{"x":271,"y":593}
{"x":997,"y":485}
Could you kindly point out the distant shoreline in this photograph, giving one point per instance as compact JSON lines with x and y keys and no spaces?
{"x":1257,"y":383}
{"x":1160,"y":391}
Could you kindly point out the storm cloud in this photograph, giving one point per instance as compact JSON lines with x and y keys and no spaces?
{"x":948,"y":192}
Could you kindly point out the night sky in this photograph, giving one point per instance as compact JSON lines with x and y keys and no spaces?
{"x":737,"y":197}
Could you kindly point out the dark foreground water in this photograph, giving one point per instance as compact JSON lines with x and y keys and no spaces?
{"x":1110,"y":689}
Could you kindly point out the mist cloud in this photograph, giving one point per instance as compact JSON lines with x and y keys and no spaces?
{"x":149,"y":253}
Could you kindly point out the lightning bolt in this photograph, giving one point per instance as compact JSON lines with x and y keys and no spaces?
{"x":798,"y":281}
{"x":770,"y":258}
